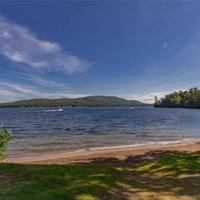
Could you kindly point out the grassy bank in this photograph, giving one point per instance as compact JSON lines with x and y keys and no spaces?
{"x":155,"y":175}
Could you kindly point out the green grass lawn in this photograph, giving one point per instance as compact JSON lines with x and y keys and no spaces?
{"x":156,"y":175}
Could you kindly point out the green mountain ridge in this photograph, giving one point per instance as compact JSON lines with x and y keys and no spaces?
{"x":83,"y":101}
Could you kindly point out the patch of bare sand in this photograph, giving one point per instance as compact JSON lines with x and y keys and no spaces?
{"x":118,"y":153}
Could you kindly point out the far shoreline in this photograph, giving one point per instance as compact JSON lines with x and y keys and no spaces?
{"x":118,"y":152}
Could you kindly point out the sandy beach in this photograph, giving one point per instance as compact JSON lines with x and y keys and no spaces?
{"x":120,"y":153}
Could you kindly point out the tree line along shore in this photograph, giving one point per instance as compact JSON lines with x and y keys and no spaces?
{"x":181,"y":99}
{"x":84,"y":101}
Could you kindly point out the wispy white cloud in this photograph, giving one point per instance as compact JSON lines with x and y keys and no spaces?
{"x":34,"y":78}
{"x":50,"y":83}
{"x":21,"y":45}
{"x":164,"y":44}
{"x":11,"y":91}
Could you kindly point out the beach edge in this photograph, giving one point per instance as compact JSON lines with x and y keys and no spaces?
{"x":118,"y":152}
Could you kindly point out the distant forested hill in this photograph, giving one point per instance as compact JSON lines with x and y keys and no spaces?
{"x":85,"y":101}
{"x":182,"y":99}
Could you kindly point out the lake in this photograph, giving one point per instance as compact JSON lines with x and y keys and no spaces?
{"x":39,"y":131}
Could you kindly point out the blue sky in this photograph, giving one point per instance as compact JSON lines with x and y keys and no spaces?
{"x":130,"y":49}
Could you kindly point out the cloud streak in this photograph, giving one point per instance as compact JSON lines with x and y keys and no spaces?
{"x":21,"y":45}
{"x":165,"y":45}
{"x":50,"y":83}
{"x":11,"y":91}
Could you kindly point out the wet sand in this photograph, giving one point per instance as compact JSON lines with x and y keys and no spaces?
{"x":119,"y":153}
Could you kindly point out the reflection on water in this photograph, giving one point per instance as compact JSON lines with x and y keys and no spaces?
{"x":36,"y":130}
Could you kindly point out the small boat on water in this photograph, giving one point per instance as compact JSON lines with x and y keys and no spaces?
{"x":60,"y":109}
{"x":57,"y":110}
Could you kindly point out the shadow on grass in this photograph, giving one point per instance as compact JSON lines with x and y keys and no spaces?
{"x":150,"y":176}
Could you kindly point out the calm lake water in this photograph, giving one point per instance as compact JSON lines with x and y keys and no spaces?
{"x":44,"y":130}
